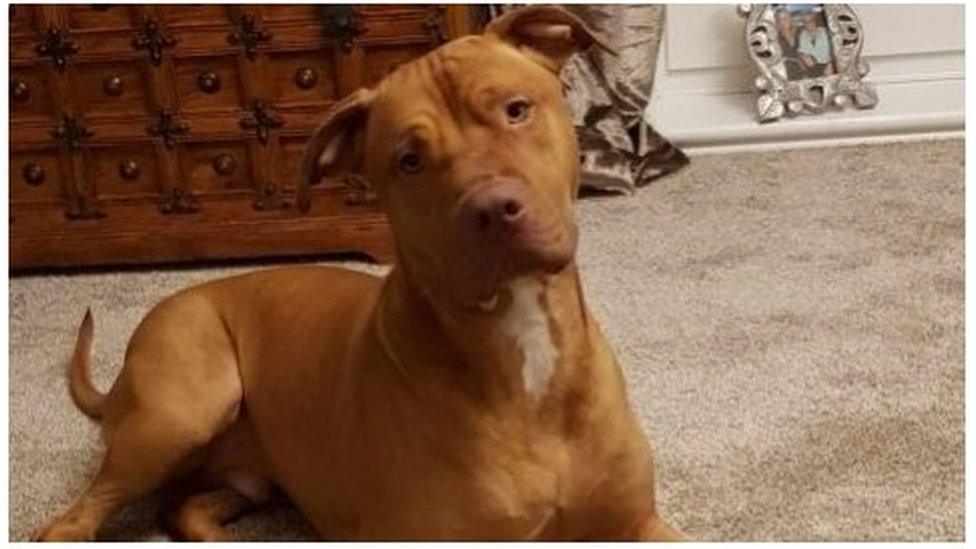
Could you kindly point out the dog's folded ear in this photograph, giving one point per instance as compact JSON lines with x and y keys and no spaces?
{"x":336,"y":146}
{"x":548,"y":34}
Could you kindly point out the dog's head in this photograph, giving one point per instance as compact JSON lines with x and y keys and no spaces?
{"x":472,"y":151}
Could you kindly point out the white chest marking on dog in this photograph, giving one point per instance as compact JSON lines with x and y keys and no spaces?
{"x":527,"y":324}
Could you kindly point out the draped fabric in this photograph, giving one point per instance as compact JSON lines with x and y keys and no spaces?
{"x":609,"y":93}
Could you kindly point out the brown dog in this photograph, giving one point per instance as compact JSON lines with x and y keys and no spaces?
{"x":468,"y":395}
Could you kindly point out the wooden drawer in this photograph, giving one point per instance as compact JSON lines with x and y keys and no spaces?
{"x":101,"y":17}
{"x":113,"y":88}
{"x":30,"y":95}
{"x":144,"y":133}
{"x":208,"y":84}
{"x":288,"y":13}
{"x":35,"y":177}
{"x":23,"y":21}
{"x":215,"y":167}
{"x":195,"y":15}
{"x":126,"y":172}
{"x":303,"y":78}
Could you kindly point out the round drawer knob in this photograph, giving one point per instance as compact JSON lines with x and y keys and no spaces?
{"x":113,"y":86}
{"x":305,"y":78}
{"x":33,"y":174}
{"x":129,"y":169}
{"x":209,"y":82}
{"x":224,"y":164}
{"x":19,"y":91}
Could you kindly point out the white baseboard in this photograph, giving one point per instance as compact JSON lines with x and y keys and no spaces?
{"x":702,"y":123}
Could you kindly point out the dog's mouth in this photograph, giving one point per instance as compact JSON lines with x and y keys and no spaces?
{"x":488,"y":269}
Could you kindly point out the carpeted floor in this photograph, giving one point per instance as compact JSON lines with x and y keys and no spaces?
{"x":790,"y":324}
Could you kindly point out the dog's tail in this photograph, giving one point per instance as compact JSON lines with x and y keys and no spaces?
{"x":86,"y":398}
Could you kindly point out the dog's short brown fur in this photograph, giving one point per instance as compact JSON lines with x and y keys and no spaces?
{"x":468,"y":395}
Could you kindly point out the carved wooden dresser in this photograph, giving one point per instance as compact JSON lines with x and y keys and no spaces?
{"x":156,"y":133}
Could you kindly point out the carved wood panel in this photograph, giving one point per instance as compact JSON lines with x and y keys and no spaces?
{"x":144,"y":133}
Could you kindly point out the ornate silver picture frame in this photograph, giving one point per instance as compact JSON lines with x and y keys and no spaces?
{"x":808,"y":57}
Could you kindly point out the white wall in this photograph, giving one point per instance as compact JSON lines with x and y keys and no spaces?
{"x":703,"y":98}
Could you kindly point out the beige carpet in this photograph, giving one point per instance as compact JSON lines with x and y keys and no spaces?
{"x":791,"y":326}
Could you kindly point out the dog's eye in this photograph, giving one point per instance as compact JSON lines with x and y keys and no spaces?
{"x":518,"y":111}
{"x":409,"y":162}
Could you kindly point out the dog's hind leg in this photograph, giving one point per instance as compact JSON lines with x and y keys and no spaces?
{"x":232,"y":481}
{"x":135,"y":465}
{"x":179,"y":389}
{"x":201,"y":517}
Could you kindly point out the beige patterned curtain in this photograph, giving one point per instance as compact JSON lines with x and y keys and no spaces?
{"x":608,"y":94}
